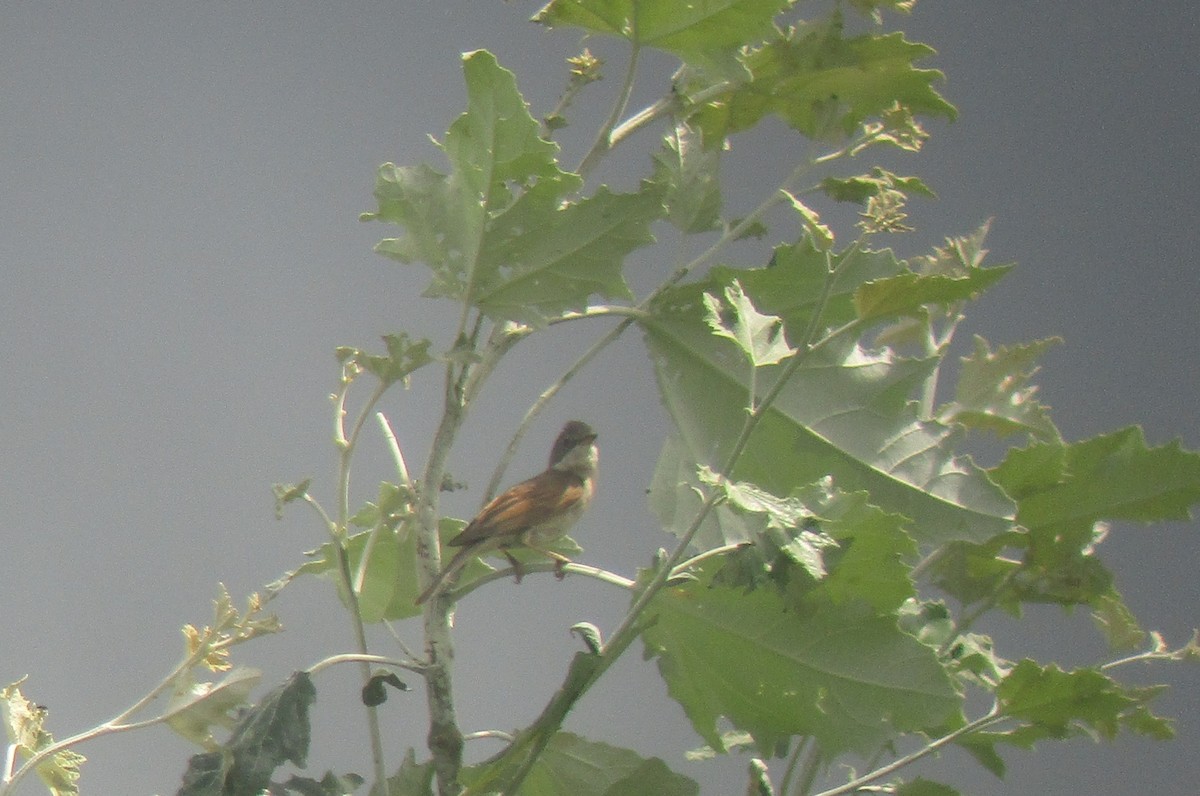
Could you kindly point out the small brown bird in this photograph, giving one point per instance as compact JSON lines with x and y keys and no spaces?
{"x":533,"y":513}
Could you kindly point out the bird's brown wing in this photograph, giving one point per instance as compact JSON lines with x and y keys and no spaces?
{"x":528,"y":504}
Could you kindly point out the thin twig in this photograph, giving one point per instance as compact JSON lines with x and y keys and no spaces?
{"x":993,"y":716}
{"x":603,"y":144}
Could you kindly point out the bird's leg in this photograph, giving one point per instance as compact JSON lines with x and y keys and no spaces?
{"x":518,"y":570}
{"x":560,"y":560}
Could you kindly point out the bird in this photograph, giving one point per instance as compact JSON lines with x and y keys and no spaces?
{"x":534,"y":513}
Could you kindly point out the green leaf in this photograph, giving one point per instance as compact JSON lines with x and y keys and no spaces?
{"x":392,"y":507}
{"x":274,"y":732}
{"x":580,"y":767}
{"x":674,"y":498}
{"x":848,"y":550}
{"x":496,"y":155}
{"x":924,"y":787}
{"x":688,"y":171}
{"x":1028,"y":471}
{"x":974,"y":572}
{"x":328,"y":785}
{"x":759,"y":336}
{"x":23,"y":724}
{"x":1118,"y":624}
{"x":195,"y":708}
{"x":699,"y":33}
{"x":1067,"y":493}
{"x":908,"y":294}
{"x":402,"y":358}
{"x":778,"y":524}
{"x":791,"y":284}
{"x":1114,"y":476}
{"x":846,"y":413}
{"x":993,"y":391}
{"x":1058,"y":704}
{"x":849,"y":679}
{"x":861,"y":188}
{"x":824,"y":85}
{"x":542,"y":259}
{"x":287,"y":493}
{"x":820,"y":234}
{"x":412,"y":779}
{"x":390,"y":581}
{"x":870,"y":564}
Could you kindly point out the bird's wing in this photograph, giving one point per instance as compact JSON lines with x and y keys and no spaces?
{"x":528,"y":504}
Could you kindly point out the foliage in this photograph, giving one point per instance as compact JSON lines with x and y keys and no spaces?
{"x":834,"y":540}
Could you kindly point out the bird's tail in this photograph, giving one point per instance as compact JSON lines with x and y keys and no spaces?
{"x":459,"y":561}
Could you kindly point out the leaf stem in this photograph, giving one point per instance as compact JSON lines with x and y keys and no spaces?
{"x":993,"y":716}
{"x":603,"y":143}
{"x":346,"y":445}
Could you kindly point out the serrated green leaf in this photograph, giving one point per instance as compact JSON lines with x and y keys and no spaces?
{"x":688,"y":171}
{"x":1066,"y":493}
{"x":824,"y":85}
{"x":393,"y":506}
{"x":24,"y":726}
{"x":870,"y":563}
{"x":1057,"y":704}
{"x":286,"y":493}
{"x":759,"y":336}
{"x":580,"y":767}
{"x":820,"y":234}
{"x":908,"y":294}
{"x":993,"y":391}
{"x":402,"y":358}
{"x":982,"y":747}
{"x":777,"y":523}
{"x":274,"y":732}
{"x":495,"y":154}
{"x":390,"y":581}
{"x":1118,"y":624}
{"x":849,"y":679}
{"x":845,"y":413}
{"x":850,"y":551}
{"x":1114,"y":476}
{"x":540,"y":260}
{"x":791,"y":284}
{"x":973,"y":572}
{"x":195,"y":708}
{"x":704,"y":34}
{"x":864,"y":186}
{"x":1028,"y":471}
{"x":412,"y":779}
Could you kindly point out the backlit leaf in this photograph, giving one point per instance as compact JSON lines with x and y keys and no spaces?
{"x":849,"y":679}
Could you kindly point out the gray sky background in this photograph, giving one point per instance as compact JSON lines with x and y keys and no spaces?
{"x":180,"y":254}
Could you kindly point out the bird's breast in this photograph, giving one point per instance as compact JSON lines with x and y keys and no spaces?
{"x":553,"y":529}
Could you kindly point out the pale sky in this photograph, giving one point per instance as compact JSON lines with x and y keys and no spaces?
{"x":181,"y":254}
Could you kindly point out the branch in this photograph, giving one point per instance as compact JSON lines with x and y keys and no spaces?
{"x":603,"y":143}
{"x":346,"y":446}
{"x":603,"y":575}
